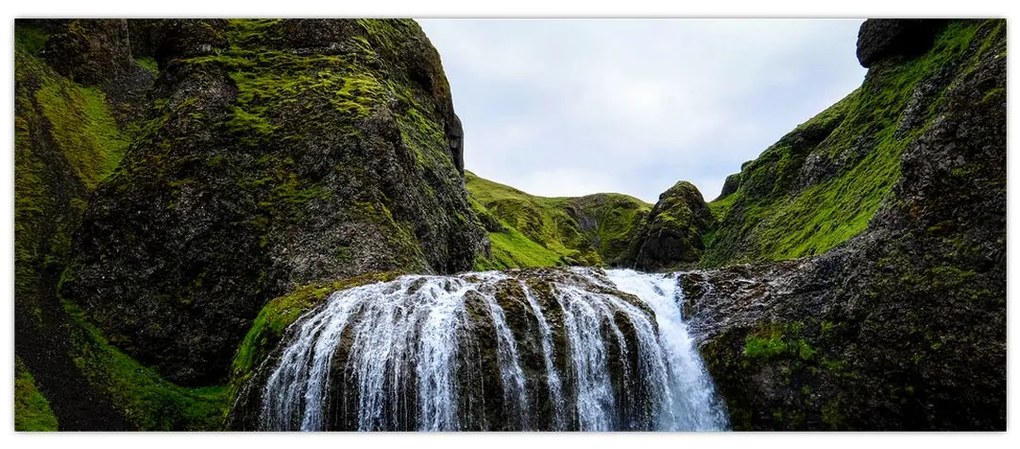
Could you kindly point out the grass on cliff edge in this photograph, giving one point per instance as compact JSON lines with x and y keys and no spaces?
{"x":539,"y":232}
{"x":778,"y":220}
{"x":147,"y":400}
{"x":31,"y":409}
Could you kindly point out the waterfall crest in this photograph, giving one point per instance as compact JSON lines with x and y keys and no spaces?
{"x":578,"y":349}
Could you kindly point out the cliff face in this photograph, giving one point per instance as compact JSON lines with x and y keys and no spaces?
{"x":903,"y":325}
{"x":821,"y":184}
{"x":274,"y":153}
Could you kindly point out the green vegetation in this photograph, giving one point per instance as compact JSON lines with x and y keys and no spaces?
{"x":800,"y":357}
{"x":777,"y":214}
{"x":30,"y":39}
{"x":276,"y":315}
{"x":65,"y":142}
{"x":82,"y":126}
{"x":775,"y":340}
{"x":147,"y":400}
{"x":149,"y":64}
{"x":532,"y":231}
{"x":31,"y":409}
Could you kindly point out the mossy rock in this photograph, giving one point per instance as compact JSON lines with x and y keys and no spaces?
{"x":275,"y":153}
{"x":822,"y":183}
{"x":672,"y":234}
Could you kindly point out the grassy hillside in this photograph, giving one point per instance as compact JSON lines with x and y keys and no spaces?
{"x":534,"y":231}
{"x":821,"y":183}
{"x":32,"y":411}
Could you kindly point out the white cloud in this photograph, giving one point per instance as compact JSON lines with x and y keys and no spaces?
{"x":569,"y":107}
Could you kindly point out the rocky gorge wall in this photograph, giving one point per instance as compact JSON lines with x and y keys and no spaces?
{"x":275,"y":153}
{"x":186,"y":189}
{"x":902,"y":326}
{"x":174,"y":175}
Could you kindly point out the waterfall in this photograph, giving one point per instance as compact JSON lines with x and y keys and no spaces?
{"x":577,"y":349}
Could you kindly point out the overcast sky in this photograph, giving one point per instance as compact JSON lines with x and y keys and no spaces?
{"x":573,"y":107}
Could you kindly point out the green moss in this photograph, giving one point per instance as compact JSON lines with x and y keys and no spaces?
{"x":770,"y":217}
{"x":149,"y":64}
{"x":764,"y":346}
{"x":31,"y":409}
{"x":276,"y":315}
{"x":81,"y":124}
{"x":66,"y":142}
{"x":775,"y":340}
{"x":147,"y":400}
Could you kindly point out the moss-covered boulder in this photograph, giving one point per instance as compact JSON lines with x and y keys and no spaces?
{"x":672,"y":234}
{"x":902,"y":326}
{"x":275,"y":153}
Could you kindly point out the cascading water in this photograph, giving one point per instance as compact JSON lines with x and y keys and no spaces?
{"x":527,"y":350}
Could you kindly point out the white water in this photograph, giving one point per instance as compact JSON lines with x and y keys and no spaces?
{"x":411,"y":354}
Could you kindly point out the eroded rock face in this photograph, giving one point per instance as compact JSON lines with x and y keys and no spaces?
{"x":731,"y":185}
{"x":903,"y":327}
{"x":672,"y":233}
{"x":91,"y":52}
{"x":883,"y":38}
{"x":277,"y":153}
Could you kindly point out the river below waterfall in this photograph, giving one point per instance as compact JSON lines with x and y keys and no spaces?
{"x":578,"y":349}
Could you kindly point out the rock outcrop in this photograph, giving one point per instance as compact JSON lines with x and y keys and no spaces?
{"x":902,"y":326}
{"x":672,"y":234}
{"x":276,"y":153}
{"x":91,"y":52}
{"x":884,"y":38}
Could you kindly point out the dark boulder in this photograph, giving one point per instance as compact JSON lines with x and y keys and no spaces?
{"x":883,"y":38}
{"x":672,"y":233}
{"x":730,"y":185}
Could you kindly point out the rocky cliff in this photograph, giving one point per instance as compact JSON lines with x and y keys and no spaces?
{"x":173,"y":177}
{"x":184,"y":172}
{"x":274,"y":153}
{"x":901,"y":323}
{"x":821,"y":184}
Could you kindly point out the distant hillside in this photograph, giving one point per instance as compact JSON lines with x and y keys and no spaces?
{"x":534,"y":231}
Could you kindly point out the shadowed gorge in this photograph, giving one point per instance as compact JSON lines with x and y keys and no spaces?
{"x":267,"y":224}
